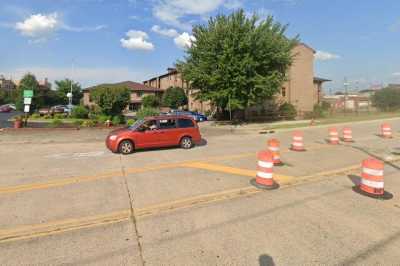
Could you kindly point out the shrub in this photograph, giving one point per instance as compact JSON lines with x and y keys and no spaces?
{"x":35,"y":116}
{"x":142,"y":113}
{"x":55,"y":123}
{"x":387,"y":99}
{"x":59,"y":116}
{"x":47,"y":116}
{"x":103,"y":118}
{"x":150,"y":101}
{"x":77,"y":123}
{"x":80,"y":112}
{"x":326,"y":106}
{"x":287,"y":111}
{"x":130,"y":122}
{"x":118,"y":120}
{"x":318,"y":111}
{"x":89,"y":123}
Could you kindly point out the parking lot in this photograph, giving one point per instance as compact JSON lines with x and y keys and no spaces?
{"x":68,"y":200}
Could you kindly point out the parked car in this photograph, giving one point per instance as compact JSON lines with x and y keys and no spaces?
{"x":195,"y":115}
{"x":44,"y":111}
{"x":59,"y":109}
{"x":155,"y":132}
{"x":5,"y":109}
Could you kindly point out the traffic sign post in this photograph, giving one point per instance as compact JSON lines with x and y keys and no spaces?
{"x":28,"y":95}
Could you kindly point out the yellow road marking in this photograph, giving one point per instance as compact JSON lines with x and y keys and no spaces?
{"x":31,"y":231}
{"x":80,"y":179}
{"x":236,"y":171}
{"x":57,"y":227}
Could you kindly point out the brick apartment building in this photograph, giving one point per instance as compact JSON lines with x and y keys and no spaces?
{"x":6,"y":84}
{"x":302,"y":89}
{"x":138,"y":91}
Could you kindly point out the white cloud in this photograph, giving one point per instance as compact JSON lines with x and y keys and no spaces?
{"x":38,"y":25}
{"x":184,"y":40}
{"x":325,"y":56}
{"x":165,"y":32}
{"x":137,"y":40}
{"x":171,"y":11}
{"x":396,"y":74}
{"x":233,"y":4}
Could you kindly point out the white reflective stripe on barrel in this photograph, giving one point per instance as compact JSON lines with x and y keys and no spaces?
{"x":373,"y":172}
{"x":273,"y":148}
{"x":297,"y":138}
{"x":264,"y":175}
{"x":373,"y":184}
{"x":334,"y":134}
{"x":276,"y":157}
{"x":334,"y":138}
{"x":265,"y":164}
{"x":299,"y":144}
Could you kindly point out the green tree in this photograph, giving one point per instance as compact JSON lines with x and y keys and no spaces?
{"x":111,"y":99}
{"x":238,"y":61}
{"x":150,"y":101}
{"x":387,"y":99}
{"x":174,"y":97}
{"x":64,"y":86}
{"x":29,"y":82}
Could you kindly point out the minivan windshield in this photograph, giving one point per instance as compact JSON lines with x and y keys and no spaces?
{"x":136,"y":124}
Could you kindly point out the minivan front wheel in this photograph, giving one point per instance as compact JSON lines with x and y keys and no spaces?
{"x":126,"y":147}
{"x":186,"y":143}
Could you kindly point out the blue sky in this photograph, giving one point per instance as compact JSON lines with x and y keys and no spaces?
{"x":115,"y":40}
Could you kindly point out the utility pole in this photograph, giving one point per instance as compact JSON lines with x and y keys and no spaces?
{"x":70,"y":95}
{"x":346,"y":91}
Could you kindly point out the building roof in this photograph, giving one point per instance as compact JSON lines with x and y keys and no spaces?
{"x":133,"y":86}
{"x":317,"y":79}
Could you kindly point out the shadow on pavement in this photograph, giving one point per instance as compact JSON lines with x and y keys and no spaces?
{"x":265,"y":260}
{"x":355,"y":179}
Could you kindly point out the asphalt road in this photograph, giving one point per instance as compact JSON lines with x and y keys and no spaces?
{"x":65,"y":199}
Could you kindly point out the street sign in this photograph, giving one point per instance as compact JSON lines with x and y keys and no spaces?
{"x":28,"y":93}
{"x":27,"y":108}
{"x":28,"y":101}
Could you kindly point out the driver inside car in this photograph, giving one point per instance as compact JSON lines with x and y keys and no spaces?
{"x":150,"y":125}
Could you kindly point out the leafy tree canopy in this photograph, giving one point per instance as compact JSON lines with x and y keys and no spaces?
{"x":28,"y":82}
{"x":111,"y":99}
{"x":150,"y":101}
{"x":64,"y":86}
{"x":238,"y":59}
{"x":174,"y":97}
{"x":387,"y":99}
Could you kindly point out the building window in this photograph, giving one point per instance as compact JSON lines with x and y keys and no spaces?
{"x":139,"y":94}
{"x":283,"y":92}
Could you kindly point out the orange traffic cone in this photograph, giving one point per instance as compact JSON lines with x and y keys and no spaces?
{"x":333,"y":136}
{"x":372,"y":181}
{"x":264,"y":178}
{"x":273,"y":147}
{"x":297,"y":143}
{"x":386,"y":131}
{"x":347,"y":134}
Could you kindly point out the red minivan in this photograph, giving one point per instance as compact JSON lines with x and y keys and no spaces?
{"x":155,"y":132}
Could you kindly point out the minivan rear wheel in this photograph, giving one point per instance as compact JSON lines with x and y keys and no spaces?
{"x":126,"y":147}
{"x":186,"y":143}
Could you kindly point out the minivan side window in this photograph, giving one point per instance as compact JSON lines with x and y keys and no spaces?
{"x":185,"y":123}
{"x":167,"y":123}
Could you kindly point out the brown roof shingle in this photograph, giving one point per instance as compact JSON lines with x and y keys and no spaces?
{"x":133,"y":86}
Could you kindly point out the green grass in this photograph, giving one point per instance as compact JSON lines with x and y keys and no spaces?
{"x":339,"y":118}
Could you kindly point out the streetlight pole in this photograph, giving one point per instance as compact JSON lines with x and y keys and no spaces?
{"x":70,"y":95}
{"x":346,"y":84}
